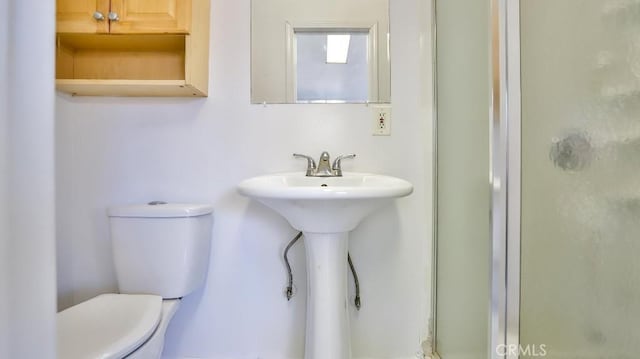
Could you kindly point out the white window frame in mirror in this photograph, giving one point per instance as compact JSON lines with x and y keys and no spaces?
{"x":372,"y":50}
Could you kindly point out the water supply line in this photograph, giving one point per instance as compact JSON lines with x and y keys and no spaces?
{"x":286,"y":261}
{"x":289,"y":290}
{"x":355,"y":280}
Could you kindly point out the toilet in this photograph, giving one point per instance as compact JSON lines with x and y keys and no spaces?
{"x":161,"y":254}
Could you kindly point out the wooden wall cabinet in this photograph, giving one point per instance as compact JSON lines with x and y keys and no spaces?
{"x":133,"y":47}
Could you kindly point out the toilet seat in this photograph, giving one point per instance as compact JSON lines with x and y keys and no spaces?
{"x":107,"y":326}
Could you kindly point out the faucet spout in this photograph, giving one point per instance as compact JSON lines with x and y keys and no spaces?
{"x":324,"y":166}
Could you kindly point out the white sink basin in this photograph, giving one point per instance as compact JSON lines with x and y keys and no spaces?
{"x":325,"y":204}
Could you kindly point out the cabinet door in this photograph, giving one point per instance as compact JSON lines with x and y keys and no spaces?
{"x":78,"y":16}
{"x":151,"y":16}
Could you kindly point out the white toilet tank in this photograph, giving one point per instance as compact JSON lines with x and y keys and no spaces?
{"x":161,"y":249}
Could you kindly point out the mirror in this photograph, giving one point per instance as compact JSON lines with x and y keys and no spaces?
{"x":320,"y":51}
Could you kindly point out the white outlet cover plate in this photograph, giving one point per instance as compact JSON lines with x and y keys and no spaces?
{"x":381,"y":120}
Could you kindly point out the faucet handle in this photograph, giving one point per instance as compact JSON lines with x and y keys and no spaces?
{"x":311,"y":163}
{"x":337,"y":164}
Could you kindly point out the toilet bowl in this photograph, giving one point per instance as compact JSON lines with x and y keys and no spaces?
{"x":161,"y":253}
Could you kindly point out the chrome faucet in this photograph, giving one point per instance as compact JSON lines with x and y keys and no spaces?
{"x":324,"y":169}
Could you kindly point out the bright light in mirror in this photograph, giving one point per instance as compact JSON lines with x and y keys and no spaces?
{"x":337,"y":48}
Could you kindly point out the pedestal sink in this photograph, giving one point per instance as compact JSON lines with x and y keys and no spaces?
{"x":325,"y":209}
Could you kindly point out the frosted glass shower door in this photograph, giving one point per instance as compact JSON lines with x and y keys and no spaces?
{"x":580,"y":238}
{"x":463,"y":196}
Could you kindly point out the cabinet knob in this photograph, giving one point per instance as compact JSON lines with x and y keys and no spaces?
{"x":98,"y":16}
{"x":113,"y":16}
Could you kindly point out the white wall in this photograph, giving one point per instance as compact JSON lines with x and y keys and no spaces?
{"x":27,"y":253}
{"x":126,"y":150}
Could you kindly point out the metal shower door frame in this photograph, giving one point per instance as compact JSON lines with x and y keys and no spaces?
{"x":505,"y":140}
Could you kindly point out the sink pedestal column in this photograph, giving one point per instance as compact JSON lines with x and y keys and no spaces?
{"x":327,"y":333}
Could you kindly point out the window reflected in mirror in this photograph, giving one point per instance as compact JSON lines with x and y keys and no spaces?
{"x":331,"y":67}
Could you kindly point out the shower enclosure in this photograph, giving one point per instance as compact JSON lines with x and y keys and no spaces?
{"x":538,"y":179}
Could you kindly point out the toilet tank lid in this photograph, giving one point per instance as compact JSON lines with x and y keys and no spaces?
{"x":159,"y":209}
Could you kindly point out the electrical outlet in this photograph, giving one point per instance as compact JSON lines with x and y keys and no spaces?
{"x":381,"y":116}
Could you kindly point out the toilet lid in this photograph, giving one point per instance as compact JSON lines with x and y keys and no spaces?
{"x":107,"y":326}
